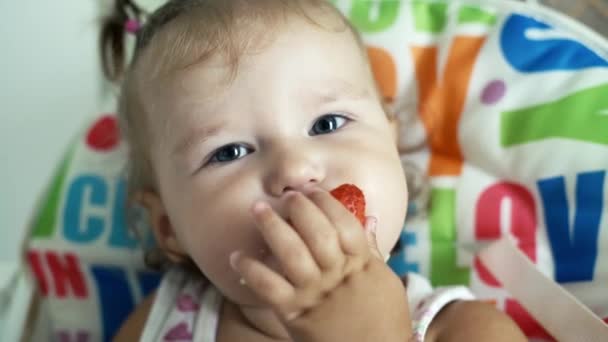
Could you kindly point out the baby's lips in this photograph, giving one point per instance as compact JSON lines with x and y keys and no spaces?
{"x":352,"y":198}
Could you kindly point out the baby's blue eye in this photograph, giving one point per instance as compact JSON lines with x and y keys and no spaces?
{"x":327,"y":124}
{"x":229,"y":153}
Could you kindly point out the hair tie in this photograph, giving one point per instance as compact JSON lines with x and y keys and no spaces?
{"x":132,"y":26}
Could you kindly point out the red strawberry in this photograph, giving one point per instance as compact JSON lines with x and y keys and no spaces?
{"x":352,"y":198}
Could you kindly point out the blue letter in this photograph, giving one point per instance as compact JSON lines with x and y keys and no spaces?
{"x":115,"y":298}
{"x":398,"y":261}
{"x":575,"y":252}
{"x":73,"y":209}
{"x":148,"y":282}
{"x":544,"y":53}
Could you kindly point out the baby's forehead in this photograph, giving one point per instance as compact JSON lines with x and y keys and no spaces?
{"x":311,"y":73}
{"x":189,"y":52}
{"x":199,"y":36}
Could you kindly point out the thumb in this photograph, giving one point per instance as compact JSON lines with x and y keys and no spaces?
{"x":371,"y":224}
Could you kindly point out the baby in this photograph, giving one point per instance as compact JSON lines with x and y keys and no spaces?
{"x":241,"y":116}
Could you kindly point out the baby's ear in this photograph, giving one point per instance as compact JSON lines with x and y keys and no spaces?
{"x":393,"y":119}
{"x":158,"y":218}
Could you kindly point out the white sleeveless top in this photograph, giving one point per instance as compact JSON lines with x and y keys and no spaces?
{"x":187,"y":308}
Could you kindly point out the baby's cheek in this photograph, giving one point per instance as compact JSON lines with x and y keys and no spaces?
{"x":390,"y":204}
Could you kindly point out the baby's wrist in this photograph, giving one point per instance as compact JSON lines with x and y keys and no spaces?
{"x":425,"y":321}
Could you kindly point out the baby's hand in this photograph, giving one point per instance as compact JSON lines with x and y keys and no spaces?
{"x":333,"y":286}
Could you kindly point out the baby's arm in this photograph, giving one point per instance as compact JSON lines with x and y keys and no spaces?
{"x":334,"y":287}
{"x":473,"y":321}
{"x":451,"y":314}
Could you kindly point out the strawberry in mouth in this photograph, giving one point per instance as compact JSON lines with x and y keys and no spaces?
{"x":352,"y":198}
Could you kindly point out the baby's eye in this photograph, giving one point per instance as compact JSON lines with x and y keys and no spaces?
{"x":327,"y":124}
{"x":229,"y":153}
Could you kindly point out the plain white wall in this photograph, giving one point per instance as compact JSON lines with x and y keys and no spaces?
{"x":50,"y":86}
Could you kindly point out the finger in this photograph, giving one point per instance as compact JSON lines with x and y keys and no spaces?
{"x":370,"y":232}
{"x":350,"y":234}
{"x":316,"y":230}
{"x":286,"y":245}
{"x":267,"y":284}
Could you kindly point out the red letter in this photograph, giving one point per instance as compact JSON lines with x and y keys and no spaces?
{"x":522,"y":216}
{"x":526,"y":322}
{"x":66,"y":273}
{"x":34,"y":259}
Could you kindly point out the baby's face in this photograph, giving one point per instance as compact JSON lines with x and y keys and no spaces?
{"x":301,"y":112}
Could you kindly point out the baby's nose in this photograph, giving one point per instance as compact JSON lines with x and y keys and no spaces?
{"x":295,"y":171}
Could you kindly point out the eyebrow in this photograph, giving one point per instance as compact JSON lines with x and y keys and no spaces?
{"x":339,"y":89}
{"x":197,"y":136}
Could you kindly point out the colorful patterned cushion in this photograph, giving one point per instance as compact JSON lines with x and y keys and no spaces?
{"x":505,"y":107}
{"x":89,"y":266}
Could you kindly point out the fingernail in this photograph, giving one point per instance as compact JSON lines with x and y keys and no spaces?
{"x":293,"y":315}
{"x":291,"y":196}
{"x":259,"y":207}
{"x":372,"y":224}
{"x":233,"y":259}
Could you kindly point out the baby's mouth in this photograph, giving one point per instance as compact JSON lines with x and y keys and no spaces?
{"x":351,"y":197}
{"x":348,"y":194}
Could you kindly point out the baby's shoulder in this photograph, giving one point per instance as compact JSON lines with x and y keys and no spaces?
{"x":178,"y":297}
{"x":133,"y":327}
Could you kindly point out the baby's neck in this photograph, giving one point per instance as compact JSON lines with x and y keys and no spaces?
{"x":255,"y":323}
